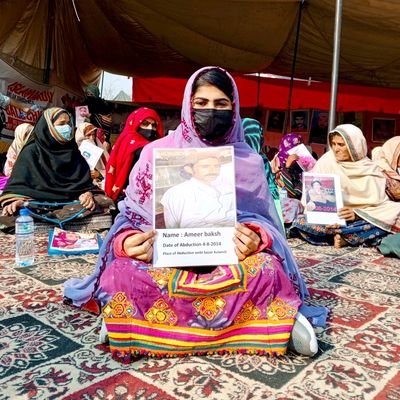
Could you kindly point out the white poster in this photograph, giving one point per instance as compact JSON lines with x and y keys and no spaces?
{"x":305,"y":160}
{"x":323,"y":198}
{"x":194,"y":207}
{"x":90,"y":153}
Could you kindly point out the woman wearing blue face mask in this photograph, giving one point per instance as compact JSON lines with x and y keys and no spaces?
{"x":49,"y":167}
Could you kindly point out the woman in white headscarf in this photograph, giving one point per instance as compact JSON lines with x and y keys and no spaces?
{"x":21,"y":136}
{"x":87,"y":131}
{"x":368,"y":212}
{"x":388,"y":158}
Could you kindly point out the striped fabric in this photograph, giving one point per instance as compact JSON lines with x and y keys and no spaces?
{"x":255,"y":315}
{"x":135,"y":337}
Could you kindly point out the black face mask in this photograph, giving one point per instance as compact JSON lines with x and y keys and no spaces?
{"x":212,"y":124}
{"x":149,"y":134}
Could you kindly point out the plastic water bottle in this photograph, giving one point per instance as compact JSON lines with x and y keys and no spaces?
{"x":24,"y":239}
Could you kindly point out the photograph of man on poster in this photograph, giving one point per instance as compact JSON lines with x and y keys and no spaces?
{"x":206,"y":195}
{"x":81,"y":114}
{"x":276,"y":120}
{"x":319,"y":127}
{"x":321,"y":198}
{"x":299,"y":121}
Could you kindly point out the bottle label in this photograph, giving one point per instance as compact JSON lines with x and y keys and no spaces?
{"x":24,"y":228}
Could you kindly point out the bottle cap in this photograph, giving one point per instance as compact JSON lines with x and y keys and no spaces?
{"x":23,"y":211}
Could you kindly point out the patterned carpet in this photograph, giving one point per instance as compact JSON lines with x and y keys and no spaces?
{"x":50,"y":351}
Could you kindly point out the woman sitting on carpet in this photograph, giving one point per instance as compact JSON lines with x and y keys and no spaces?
{"x":369,"y":214}
{"x":208,"y":311}
{"x":88,"y":131}
{"x":388,"y":158}
{"x":288,"y":175}
{"x":142,"y":126}
{"x":49,"y":167}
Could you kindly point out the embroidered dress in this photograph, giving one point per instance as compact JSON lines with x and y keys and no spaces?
{"x":249,"y":308}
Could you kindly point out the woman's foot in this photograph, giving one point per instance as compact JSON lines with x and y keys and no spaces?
{"x":338,"y":242}
{"x":303,"y":339}
{"x":103,"y":335}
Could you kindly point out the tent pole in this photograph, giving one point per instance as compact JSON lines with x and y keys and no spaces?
{"x":258,"y":110}
{"x":49,"y":42}
{"x":335,"y":64}
{"x":296,"y":45}
{"x":102,"y":83}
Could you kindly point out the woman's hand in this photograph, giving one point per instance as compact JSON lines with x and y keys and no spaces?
{"x":246,"y":241}
{"x":291,"y":159}
{"x":87,"y":201}
{"x":12,"y":208}
{"x":106,"y":146}
{"x":347,"y":214}
{"x":140,"y":246}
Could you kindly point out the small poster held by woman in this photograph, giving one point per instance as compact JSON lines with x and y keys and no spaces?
{"x":323,"y":198}
{"x":305,"y":160}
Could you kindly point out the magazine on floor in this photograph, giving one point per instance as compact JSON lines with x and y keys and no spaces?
{"x":194,"y":207}
{"x":323,"y":198}
{"x":69,"y":242}
{"x":306,"y":161}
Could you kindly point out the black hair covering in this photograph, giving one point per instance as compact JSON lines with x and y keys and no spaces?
{"x":47,"y":170}
{"x":215,"y":77}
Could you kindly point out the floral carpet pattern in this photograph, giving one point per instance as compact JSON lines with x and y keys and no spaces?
{"x":49,"y":350}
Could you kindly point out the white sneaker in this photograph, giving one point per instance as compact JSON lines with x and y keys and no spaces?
{"x":103,"y":335}
{"x":303,"y":339}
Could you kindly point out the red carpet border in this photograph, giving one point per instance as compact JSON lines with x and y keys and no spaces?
{"x":50,"y":351}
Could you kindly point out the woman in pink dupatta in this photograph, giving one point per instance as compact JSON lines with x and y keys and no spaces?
{"x":167,"y":312}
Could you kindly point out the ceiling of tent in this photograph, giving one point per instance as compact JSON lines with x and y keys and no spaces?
{"x":175,"y":37}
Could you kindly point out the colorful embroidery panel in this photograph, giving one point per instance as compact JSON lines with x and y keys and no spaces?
{"x":161,"y":313}
{"x":225,"y":279}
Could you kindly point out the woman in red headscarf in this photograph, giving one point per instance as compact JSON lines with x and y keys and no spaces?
{"x":142,"y":126}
